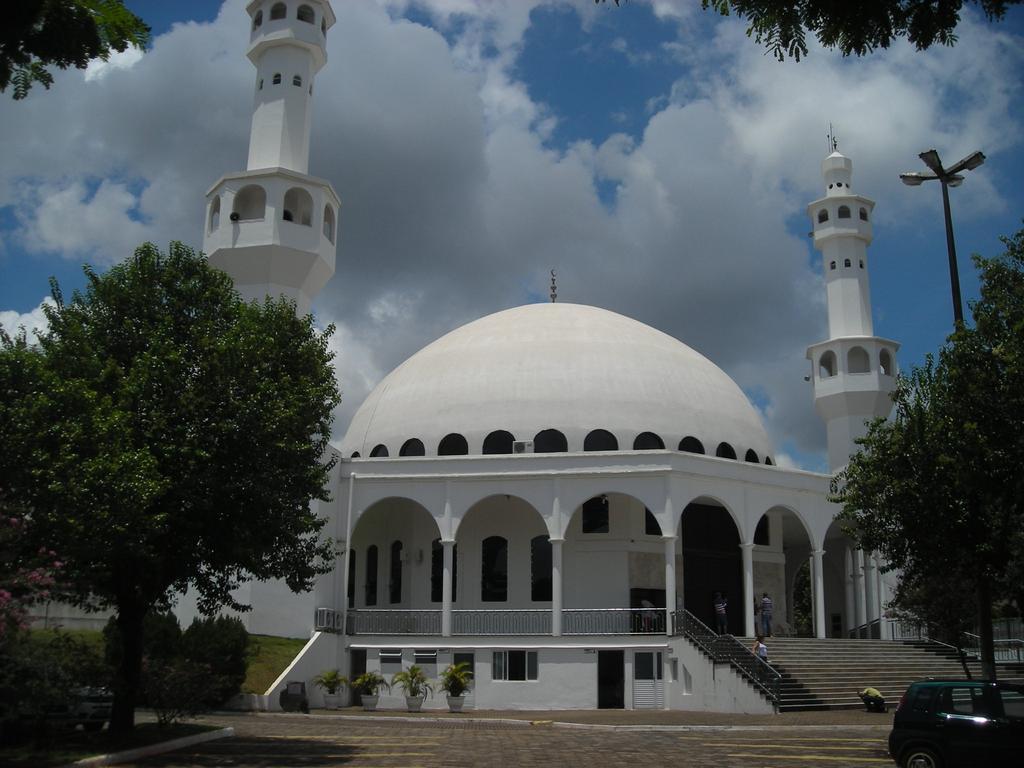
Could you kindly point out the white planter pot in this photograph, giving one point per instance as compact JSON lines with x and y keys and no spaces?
{"x":455,"y":703}
{"x":413,"y":703}
{"x":369,"y":702}
{"x":331,"y":700}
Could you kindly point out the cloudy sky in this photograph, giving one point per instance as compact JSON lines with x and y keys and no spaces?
{"x":652,"y":154}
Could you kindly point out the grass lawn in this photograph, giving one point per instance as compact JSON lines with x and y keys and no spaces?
{"x":268,"y":658}
{"x":70,"y":745}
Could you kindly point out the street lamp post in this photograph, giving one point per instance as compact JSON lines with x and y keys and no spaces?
{"x":948,"y":177}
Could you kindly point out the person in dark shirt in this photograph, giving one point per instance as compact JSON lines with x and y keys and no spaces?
{"x":721,"y":618}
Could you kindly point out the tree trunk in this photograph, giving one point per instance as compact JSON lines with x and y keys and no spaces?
{"x":988,"y":653}
{"x":128,"y":676}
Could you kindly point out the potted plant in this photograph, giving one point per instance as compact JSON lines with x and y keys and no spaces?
{"x":416,"y":686}
{"x":368,"y":686}
{"x":454,"y":682}
{"x":332,"y":681}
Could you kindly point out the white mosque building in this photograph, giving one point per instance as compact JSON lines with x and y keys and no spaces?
{"x":553,"y":492}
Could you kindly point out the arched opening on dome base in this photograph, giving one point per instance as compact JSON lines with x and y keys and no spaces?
{"x":615,"y":558}
{"x":497,"y":553}
{"x":379,"y":451}
{"x":712,"y":562}
{"x":600,"y":440}
{"x":391,"y":544}
{"x":691,"y":444}
{"x":498,"y":442}
{"x":648,"y":441}
{"x":412,"y":447}
{"x":453,"y":444}
{"x":751,"y":456}
{"x":550,"y":441}
{"x":782,"y":545}
{"x":725,"y":451}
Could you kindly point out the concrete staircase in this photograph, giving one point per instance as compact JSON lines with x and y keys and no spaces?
{"x":828,"y":674}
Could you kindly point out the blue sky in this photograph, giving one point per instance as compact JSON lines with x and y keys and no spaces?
{"x":652,"y":154}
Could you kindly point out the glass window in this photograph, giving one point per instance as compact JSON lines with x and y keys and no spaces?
{"x":540,"y":568}
{"x":514,"y":665}
{"x":494,"y":570}
{"x":1013,"y":702}
{"x":965,"y":700}
{"x":395,"y":582}
{"x":370,"y":588}
{"x":351,"y":578}
{"x":437,"y":571}
{"x":427,"y":660}
{"x":390,"y":660}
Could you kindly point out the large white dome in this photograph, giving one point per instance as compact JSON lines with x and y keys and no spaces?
{"x":562,"y":367}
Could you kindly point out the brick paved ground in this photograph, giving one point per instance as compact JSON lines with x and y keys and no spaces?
{"x":283,"y":741}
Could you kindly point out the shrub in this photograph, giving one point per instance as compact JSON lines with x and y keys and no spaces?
{"x":39,"y":675}
{"x":176,"y":689}
{"x":220,"y":644}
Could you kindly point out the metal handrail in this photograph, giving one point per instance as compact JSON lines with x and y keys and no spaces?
{"x":754,"y":668}
{"x":726,"y":649}
{"x":1010,"y":652}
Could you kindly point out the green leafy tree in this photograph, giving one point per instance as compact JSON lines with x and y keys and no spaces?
{"x":938,"y":489}
{"x":853,"y":28}
{"x":166,"y":435}
{"x":36,"y":34}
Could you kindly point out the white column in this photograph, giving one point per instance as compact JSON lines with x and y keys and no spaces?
{"x":670,"y":582}
{"x":818,"y":592}
{"x":556,"y":587}
{"x":883,"y":598}
{"x":446,"y":588}
{"x":858,"y":589}
{"x":848,"y":582}
{"x":748,"y":588}
{"x":870,"y":588}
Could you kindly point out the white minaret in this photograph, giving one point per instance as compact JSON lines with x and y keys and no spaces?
{"x":853,"y":371}
{"x":273,"y":227}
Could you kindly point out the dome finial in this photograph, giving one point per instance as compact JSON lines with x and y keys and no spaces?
{"x":833,"y":142}
{"x":554,"y":288}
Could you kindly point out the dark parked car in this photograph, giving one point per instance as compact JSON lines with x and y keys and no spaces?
{"x":89,"y":707}
{"x":948,"y":723}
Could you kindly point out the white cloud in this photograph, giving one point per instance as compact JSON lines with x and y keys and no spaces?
{"x":34,"y":322}
{"x":126,"y":59}
{"x":67,"y":220}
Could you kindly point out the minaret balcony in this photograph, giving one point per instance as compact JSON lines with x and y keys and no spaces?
{"x":295,"y":22}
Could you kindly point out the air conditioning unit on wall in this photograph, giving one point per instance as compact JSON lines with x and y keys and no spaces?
{"x":522,"y":446}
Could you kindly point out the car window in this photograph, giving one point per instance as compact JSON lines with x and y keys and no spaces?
{"x":1013,"y":703}
{"x":964,"y":700}
{"x":921,"y":699}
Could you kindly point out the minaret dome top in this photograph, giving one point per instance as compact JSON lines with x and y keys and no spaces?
{"x":838,"y":172}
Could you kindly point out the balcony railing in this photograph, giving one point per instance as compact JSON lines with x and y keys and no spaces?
{"x":367,"y":621}
{"x":501,"y":622}
{"x":613,"y":621}
{"x":575,"y":621}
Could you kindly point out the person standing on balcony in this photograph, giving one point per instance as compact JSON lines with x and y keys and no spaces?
{"x":721,"y":618}
{"x":766,"y":615}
